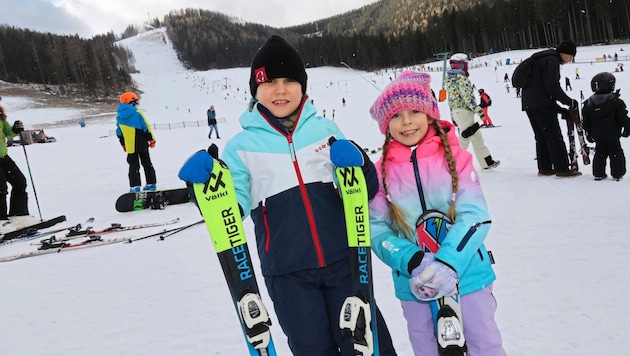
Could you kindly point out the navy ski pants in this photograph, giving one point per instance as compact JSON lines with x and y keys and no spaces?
{"x":307,"y":304}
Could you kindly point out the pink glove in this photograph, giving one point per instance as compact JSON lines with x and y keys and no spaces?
{"x":435,"y":281}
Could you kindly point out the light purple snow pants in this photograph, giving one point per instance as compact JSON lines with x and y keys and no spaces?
{"x":482,"y":333}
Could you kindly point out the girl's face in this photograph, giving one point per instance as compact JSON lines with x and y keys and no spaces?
{"x":281,"y":96}
{"x":409,"y":127}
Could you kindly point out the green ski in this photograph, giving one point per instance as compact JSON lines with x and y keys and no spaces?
{"x":359,"y":312}
{"x":218,"y":204}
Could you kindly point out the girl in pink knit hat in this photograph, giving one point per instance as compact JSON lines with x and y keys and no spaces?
{"x":429,"y":221}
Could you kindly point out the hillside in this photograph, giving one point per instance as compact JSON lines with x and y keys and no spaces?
{"x":387,"y":17}
{"x":557,"y":243}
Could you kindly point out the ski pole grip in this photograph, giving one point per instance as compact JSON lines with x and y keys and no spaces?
{"x":331,"y":140}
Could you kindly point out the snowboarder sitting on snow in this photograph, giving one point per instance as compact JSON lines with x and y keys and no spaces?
{"x":17,"y":215}
{"x":605,"y":121}
{"x":283,"y":168}
{"x":135,"y":136}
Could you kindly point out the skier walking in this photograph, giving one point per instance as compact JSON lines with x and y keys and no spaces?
{"x":297,"y":213}
{"x":605,"y":119}
{"x":212,"y":122}
{"x":136,"y":137}
{"x":463,"y":105}
{"x":484,"y":104}
{"x":567,"y":84}
{"x":448,"y":182}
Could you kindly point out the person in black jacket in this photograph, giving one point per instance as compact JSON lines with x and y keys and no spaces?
{"x":538,"y":100}
{"x":605,"y":121}
{"x":212,"y":122}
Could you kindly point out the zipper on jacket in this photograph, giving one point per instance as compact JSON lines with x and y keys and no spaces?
{"x":469,"y":234}
{"x":266,"y":222}
{"x":307,"y":205}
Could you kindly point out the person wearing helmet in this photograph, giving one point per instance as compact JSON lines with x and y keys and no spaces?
{"x":136,"y":137}
{"x":605,"y":122}
{"x":538,"y":100}
{"x":463,"y":105}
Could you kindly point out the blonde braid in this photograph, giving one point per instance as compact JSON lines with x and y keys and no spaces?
{"x":396,"y":216}
{"x":452,"y":168}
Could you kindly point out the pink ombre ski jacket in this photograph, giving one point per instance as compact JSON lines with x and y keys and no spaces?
{"x":463,"y":248}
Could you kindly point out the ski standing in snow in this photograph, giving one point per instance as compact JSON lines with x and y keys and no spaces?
{"x":605,"y":119}
{"x":282,"y":168}
{"x":136,"y":137}
{"x":432,"y":237}
{"x":463,"y":105}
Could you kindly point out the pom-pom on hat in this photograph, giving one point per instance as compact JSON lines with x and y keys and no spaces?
{"x":567,"y":47}
{"x":276,"y":59}
{"x":410,"y":91}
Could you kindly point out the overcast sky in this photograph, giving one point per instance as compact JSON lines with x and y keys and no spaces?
{"x":91,"y":17}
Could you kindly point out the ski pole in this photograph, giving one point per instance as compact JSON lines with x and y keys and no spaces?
{"x":32,"y":183}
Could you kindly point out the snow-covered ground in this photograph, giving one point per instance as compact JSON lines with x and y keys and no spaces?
{"x":560,"y":244}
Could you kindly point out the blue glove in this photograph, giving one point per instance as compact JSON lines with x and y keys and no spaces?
{"x":197,"y":168}
{"x":345,"y":153}
{"x":435,"y":281}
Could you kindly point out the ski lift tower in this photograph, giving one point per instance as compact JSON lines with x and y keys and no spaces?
{"x":443,"y":56}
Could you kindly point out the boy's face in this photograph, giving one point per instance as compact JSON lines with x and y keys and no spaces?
{"x":281,"y":96}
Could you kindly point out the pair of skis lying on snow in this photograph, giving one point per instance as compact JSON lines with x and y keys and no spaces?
{"x":94,"y":238}
{"x":219,"y":206}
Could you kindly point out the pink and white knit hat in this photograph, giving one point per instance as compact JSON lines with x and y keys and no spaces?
{"x":410,"y":91}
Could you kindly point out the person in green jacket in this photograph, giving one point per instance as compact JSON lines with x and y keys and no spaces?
{"x":10,"y":173}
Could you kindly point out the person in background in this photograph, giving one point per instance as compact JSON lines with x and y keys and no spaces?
{"x":212,"y":122}
{"x":484,"y":104}
{"x":283,"y":166}
{"x":136,"y":137}
{"x":422,"y":158}
{"x":463,"y":105}
{"x":538,"y":100}
{"x":605,"y":120}
{"x":567,"y":84}
{"x":17,"y":215}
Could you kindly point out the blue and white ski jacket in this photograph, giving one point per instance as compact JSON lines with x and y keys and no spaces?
{"x":285,"y":181}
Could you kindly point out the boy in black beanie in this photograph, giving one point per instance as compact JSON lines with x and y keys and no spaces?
{"x":283,"y":168}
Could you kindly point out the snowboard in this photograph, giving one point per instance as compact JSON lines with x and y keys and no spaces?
{"x":29,"y":230}
{"x":157,"y":199}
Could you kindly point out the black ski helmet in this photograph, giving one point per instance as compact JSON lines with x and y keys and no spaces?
{"x":603,"y":82}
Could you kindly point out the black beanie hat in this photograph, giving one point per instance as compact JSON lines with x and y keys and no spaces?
{"x":567,"y":47}
{"x":276,"y":59}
